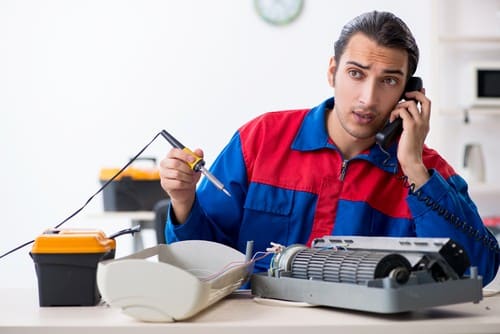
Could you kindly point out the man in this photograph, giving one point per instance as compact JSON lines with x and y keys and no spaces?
{"x":301,"y":174}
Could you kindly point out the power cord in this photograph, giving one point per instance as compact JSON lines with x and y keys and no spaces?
{"x":91,"y":197}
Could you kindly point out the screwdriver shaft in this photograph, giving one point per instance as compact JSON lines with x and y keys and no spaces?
{"x":214,"y":180}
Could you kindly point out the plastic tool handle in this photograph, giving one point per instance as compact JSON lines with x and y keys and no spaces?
{"x":174,"y":142}
{"x":195,"y":165}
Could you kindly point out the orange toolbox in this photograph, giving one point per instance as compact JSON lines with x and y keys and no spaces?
{"x":66,"y":265}
{"x":137,"y":188}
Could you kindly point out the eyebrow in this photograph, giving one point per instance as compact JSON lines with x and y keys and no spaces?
{"x":367,"y":67}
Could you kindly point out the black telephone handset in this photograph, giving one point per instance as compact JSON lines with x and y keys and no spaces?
{"x":394,"y":129}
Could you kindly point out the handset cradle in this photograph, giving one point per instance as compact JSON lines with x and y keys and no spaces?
{"x":386,"y":136}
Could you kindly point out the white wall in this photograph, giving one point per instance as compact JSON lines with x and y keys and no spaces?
{"x":85,"y":84}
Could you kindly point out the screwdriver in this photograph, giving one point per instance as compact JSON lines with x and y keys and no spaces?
{"x":198,"y":165}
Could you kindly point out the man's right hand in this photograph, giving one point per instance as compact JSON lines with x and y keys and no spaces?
{"x":179,"y":181}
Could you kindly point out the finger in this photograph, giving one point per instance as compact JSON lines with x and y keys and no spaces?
{"x":175,"y":168}
{"x":418,"y":96}
{"x":173,"y":180}
{"x":396,"y":113}
{"x":181,"y":154}
{"x":176,"y":184}
{"x":426,"y":109}
{"x":411,"y":108}
{"x":176,"y":171}
{"x":176,"y":187}
{"x":425,"y":104}
{"x":198,"y":152}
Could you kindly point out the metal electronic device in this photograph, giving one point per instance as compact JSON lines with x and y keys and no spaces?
{"x":373,"y":274}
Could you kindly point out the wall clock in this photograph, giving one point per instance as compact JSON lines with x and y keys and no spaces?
{"x":279,"y":12}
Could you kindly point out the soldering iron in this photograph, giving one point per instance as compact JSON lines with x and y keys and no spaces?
{"x":198,"y":165}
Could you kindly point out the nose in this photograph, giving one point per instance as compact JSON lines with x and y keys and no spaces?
{"x":368,"y":94}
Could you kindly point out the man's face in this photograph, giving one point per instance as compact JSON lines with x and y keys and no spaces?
{"x":368,"y":82}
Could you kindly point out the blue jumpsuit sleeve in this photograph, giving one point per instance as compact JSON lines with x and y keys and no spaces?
{"x":453,"y":196}
{"x":215,"y":216}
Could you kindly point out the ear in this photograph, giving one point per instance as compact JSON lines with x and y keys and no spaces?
{"x":332,"y":66}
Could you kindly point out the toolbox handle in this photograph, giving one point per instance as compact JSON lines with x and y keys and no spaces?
{"x":131,"y":230}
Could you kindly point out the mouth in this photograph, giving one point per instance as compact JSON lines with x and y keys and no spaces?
{"x":363,"y":117}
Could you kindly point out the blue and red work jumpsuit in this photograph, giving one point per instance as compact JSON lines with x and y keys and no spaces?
{"x":290,"y":184}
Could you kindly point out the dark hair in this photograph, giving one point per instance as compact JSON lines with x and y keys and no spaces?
{"x":386,"y":29}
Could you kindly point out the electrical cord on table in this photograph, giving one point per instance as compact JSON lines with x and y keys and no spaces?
{"x":91,"y":197}
{"x":490,"y":242}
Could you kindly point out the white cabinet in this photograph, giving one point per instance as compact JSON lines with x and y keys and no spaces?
{"x":468,"y":32}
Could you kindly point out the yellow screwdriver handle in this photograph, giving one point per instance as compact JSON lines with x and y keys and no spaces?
{"x":197,"y":164}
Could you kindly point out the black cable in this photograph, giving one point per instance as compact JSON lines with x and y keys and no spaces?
{"x":488,"y":241}
{"x":91,"y":197}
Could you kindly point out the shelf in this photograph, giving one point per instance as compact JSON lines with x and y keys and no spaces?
{"x":471,"y":111}
{"x":469,"y":39}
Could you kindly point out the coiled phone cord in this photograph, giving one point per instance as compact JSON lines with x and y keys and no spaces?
{"x":91,"y":197}
{"x":490,"y":242}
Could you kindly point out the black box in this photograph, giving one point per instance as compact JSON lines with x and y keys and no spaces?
{"x":66,"y":266}
{"x":135,"y":189}
{"x":132,"y":195}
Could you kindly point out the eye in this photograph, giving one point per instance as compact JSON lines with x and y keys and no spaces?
{"x":355,"y":74}
{"x":391,"y":81}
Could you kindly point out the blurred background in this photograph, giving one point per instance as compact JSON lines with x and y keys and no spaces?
{"x":85,"y":84}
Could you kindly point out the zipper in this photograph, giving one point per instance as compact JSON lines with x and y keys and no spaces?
{"x":343,"y":169}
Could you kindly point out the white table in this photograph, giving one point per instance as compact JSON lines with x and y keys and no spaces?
{"x":20,"y":313}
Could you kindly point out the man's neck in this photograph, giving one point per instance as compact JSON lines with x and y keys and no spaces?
{"x":348,"y":145}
